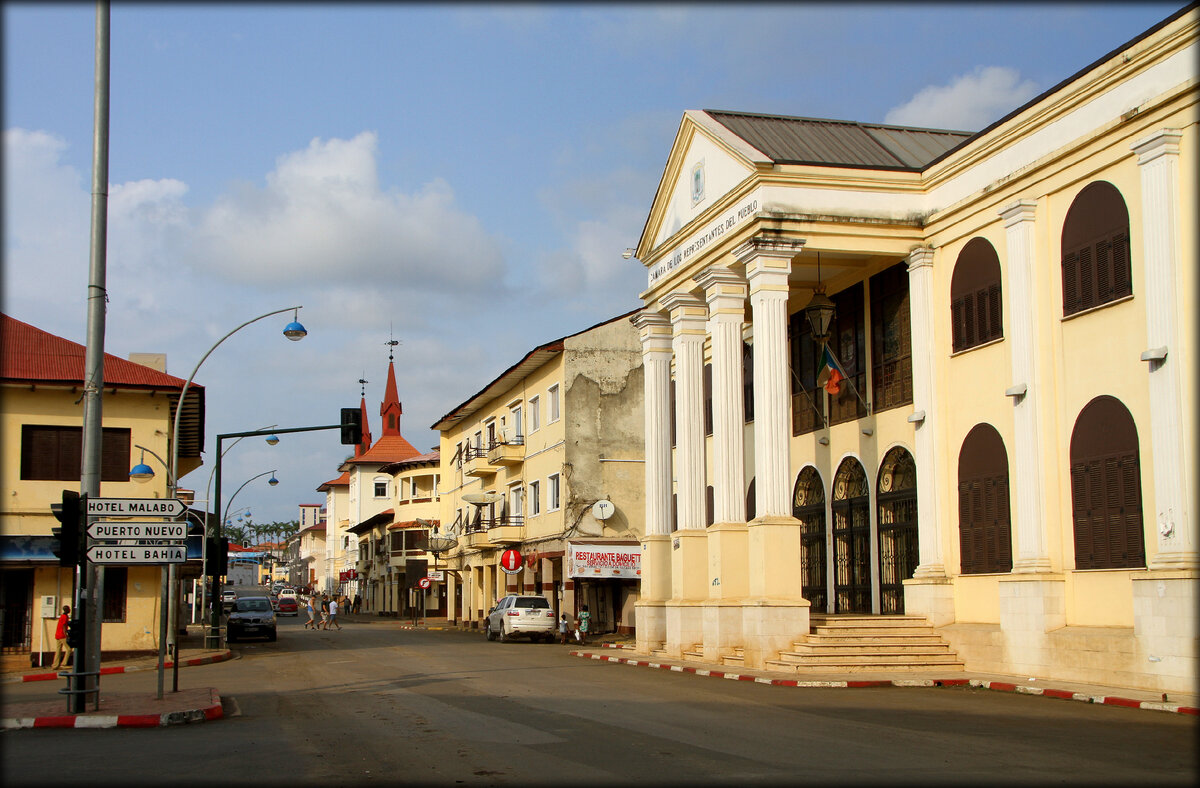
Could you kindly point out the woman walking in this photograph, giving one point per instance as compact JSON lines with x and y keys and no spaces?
{"x":312,"y":614}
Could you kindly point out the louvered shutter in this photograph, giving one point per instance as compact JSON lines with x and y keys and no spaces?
{"x":1070,"y":275}
{"x":114,"y":460}
{"x":1087,"y":278}
{"x":1080,"y":516}
{"x":966,"y":541}
{"x":995,"y":319}
{"x":956,"y":324}
{"x":1104,"y":272}
{"x":1131,"y":511}
{"x":1004,"y":527}
{"x":1122,"y":283}
{"x":969,"y":322}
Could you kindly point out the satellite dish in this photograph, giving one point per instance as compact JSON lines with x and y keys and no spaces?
{"x":602,"y":510}
{"x":482,"y":499}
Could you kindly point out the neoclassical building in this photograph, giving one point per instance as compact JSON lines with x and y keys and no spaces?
{"x":909,"y":371}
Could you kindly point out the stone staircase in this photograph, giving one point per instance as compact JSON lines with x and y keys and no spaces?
{"x":857,"y":644}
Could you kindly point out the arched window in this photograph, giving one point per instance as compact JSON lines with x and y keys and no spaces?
{"x":851,"y":539}
{"x":808,"y":506}
{"x":898,"y":552}
{"x":1095,"y":249}
{"x":984,"y":524}
{"x":975,"y":306}
{"x":1106,"y":488}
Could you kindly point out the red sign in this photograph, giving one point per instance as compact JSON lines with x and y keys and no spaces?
{"x":510,"y":561}
{"x":424,"y":582}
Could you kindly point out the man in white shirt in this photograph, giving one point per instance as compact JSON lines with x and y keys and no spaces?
{"x":333,"y":611}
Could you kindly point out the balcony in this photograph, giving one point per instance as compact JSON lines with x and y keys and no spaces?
{"x":477,"y":535}
{"x":476,"y":462}
{"x":507,"y":530}
{"x":507,"y":451}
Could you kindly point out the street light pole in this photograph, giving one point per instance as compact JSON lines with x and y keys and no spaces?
{"x":295,"y":332}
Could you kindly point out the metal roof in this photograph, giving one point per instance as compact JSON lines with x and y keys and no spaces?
{"x":840,"y":143}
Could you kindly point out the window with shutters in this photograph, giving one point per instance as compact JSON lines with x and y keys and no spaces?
{"x":1106,"y":488}
{"x":808,"y":399}
{"x":891,"y":341}
{"x":116,"y":580}
{"x":984,"y":522}
{"x":1095,"y":249}
{"x":849,"y":345}
{"x":55,"y":453}
{"x":976,"y":310}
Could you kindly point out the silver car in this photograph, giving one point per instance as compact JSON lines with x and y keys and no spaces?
{"x":514,"y":615}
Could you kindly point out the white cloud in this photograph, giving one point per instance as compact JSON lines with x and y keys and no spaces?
{"x":322,"y":217}
{"x":969,"y":103}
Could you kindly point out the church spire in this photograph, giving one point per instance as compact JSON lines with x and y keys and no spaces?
{"x":362,"y":447}
{"x":390,"y":409}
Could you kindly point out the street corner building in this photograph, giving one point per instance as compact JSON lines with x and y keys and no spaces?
{"x":938,"y":380}
{"x":545,"y":464}
{"x":41,"y":391}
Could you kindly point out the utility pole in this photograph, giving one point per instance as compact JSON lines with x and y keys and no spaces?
{"x":92,"y":579}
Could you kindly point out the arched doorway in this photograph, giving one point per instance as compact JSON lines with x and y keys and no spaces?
{"x":851,"y":539}
{"x":808,"y":506}
{"x":898,"y":554}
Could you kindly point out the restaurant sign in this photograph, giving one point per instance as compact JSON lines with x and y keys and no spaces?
{"x":601,"y":561}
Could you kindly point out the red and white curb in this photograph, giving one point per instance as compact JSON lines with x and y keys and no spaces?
{"x":221,"y":657}
{"x":1002,"y":686}
{"x":211,"y":712}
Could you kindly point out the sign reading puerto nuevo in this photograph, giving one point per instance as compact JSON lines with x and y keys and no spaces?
{"x":136,"y":507}
{"x":161,"y":530}
{"x":137,"y":554}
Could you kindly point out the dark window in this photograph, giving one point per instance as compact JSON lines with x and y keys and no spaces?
{"x":55,"y":453}
{"x":891,"y":342}
{"x":1106,"y":488}
{"x":671,"y":403}
{"x":748,"y":381}
{"x":116,"y":579}
{"x":984,"y":522}
{"x":397,"y":541}
{"x":751,"y":503}
{"x":808,"y":399}
{"x":1095,"y":249}
{"x":674,"y":512}
{"x":709,"y":506}
{"x":975,"y":306}
{"x":849,"y":345}
{"x":708,"y":404}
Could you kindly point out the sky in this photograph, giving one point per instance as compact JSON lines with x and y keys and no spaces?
{"x":460,"y":178}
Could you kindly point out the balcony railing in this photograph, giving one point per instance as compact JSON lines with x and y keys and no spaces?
{"x":507,"y":452}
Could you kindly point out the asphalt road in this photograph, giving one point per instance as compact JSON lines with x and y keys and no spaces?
{"x":377,"y":704}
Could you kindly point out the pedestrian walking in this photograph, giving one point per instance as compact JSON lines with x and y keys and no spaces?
{"x":312,"y":613}
{"x":584,"y":619}
{"x":324,"y":611}
{"x":357,"y":603}
{"x":61,"y":652}
{"x":333,"y":611}
{"x":564,"y":627}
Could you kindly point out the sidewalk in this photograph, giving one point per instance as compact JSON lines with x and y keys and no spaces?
{"x":117,"y":709}
{"x":621,"y":651}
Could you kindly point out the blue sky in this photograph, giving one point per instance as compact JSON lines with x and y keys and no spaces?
{"x":463,"y":177}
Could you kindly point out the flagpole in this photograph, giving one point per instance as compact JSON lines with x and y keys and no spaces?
{"x":848,"y":378}
{"x":811,"y":401}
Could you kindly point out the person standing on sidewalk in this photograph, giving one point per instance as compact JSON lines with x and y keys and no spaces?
{"x":61,"y":652}
{"x":333,"y":611}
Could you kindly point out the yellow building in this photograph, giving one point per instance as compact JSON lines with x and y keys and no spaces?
{"x":41,"y":385}
{"x":1003,"y":440}
{"x":555,"y":442}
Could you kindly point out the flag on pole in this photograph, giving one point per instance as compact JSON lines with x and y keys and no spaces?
{"x":831,"y":374}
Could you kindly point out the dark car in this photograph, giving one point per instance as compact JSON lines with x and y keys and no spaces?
{"x":286,"y":606}
{"x":252,"y":616}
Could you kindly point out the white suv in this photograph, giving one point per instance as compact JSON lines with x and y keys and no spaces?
{"x":520,"y":615}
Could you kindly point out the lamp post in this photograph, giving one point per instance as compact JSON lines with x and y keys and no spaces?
{"x":293,"y":331}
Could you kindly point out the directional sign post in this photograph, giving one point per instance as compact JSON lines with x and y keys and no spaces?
{"x":137,"y":554}
{"x":135,"y":507}
{"x":165,"y":531}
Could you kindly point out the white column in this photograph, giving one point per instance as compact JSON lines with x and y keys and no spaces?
{"x":1174,"y":469}
{"x":768,"y":262}
{"x":725,"y":292}
{"x":1024,"y":314}
{"x":925,"y":405}
{"x":687,"y":319}
{"x":655,"y":331}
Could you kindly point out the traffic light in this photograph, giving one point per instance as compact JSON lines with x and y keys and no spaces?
{"x":351,"y":426}
{"x":217,"y":556}
{"x":70,"y":533}
{"x":75,"y":633}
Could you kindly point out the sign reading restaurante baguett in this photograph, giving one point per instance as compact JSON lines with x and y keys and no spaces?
{"x":605,"y":560}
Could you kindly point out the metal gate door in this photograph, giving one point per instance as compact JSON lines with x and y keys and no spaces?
{"x":851,"y":539}
{"x":808,"y":506}
{"x":898,"y":551}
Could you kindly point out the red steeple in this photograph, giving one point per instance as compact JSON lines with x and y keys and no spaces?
{"x":361,"y":448}
{"x":389,"y":409}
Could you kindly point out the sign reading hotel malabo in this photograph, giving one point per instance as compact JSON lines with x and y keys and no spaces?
{"x":136,"y":507}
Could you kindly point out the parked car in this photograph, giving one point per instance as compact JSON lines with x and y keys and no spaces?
{"x":287,"y":606}
{"x":513,"y":615}
{"x":287,"y":592}
{"x":251,"y":616}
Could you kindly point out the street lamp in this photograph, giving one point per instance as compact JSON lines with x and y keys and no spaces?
{"x":293,"y":331}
